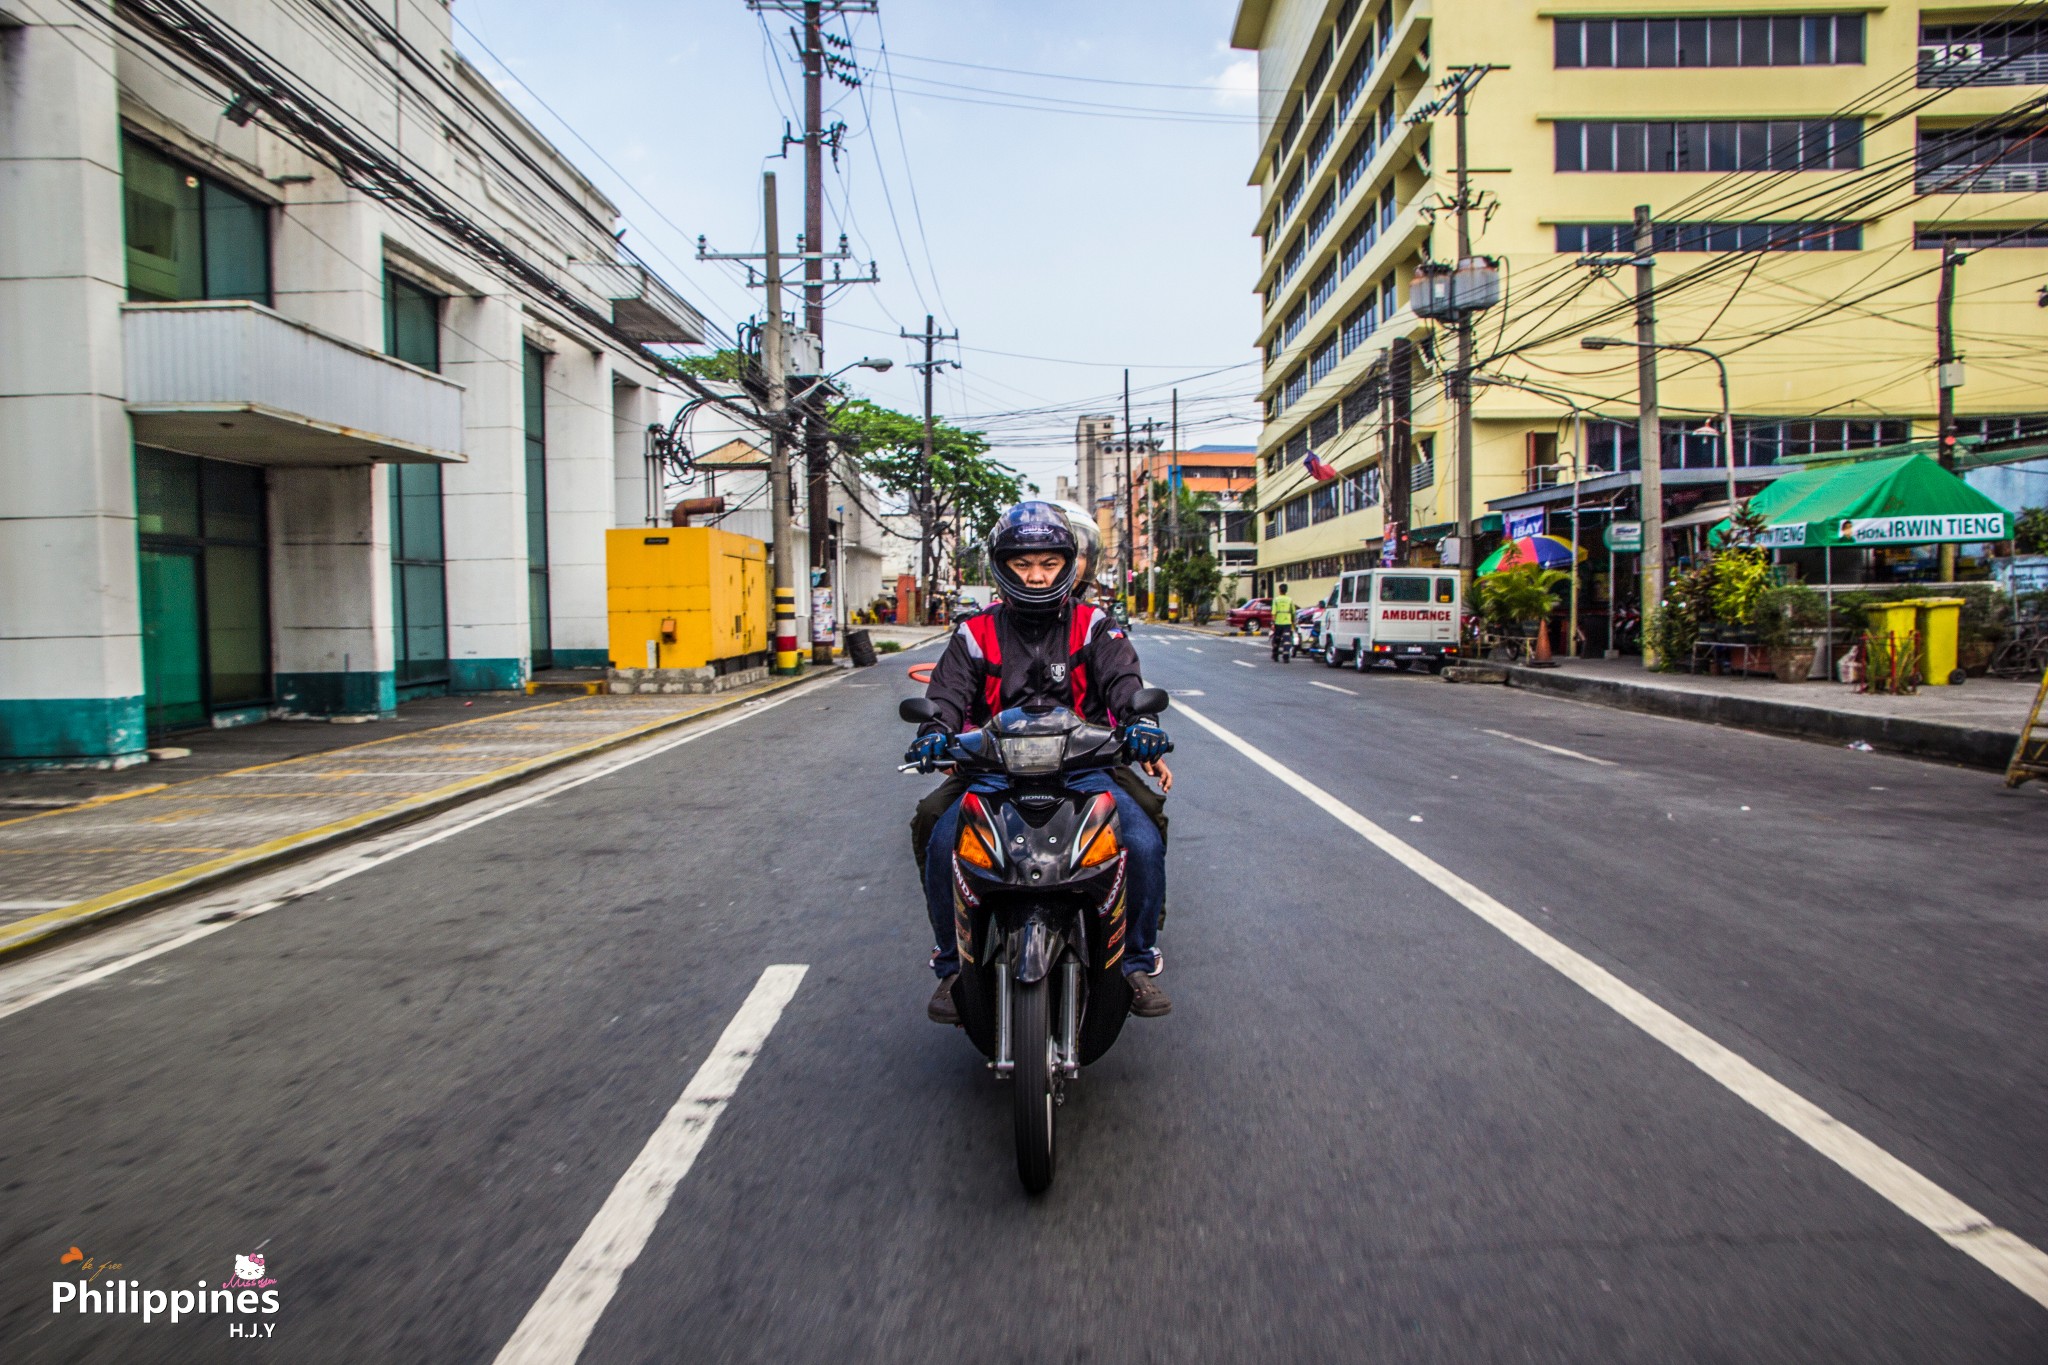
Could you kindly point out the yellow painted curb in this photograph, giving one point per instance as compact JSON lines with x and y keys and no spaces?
{"x":102,"y":800}
{"x":24,"y":933}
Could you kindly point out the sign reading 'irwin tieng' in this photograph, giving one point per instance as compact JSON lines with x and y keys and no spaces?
{"x":1963,"y":526}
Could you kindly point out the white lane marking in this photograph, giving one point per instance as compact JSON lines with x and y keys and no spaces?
{"x":2016,"y":1261}
{"x":58,"y":970}
{"x":1241,"y":663}
{"x":1331,"y":687}
{"x":560,"y":1322}
{"x":1554,"y":749}
{"x":33,"y":905}
{"x":1192,"y":650}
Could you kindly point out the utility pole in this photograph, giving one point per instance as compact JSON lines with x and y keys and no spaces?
{"x":926,"y":511}
{"x":1173,"y":502}
{"x":774,"y":359}
{"x":1124,"y":548}
{"x":817,"y":64}
{"x":1649,"y":438}
{"x":1463,"y":393}
{"x":1948,"y":376}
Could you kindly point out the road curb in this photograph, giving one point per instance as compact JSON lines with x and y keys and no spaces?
{"x":40,"y":930}
{"x":1929,"y":739}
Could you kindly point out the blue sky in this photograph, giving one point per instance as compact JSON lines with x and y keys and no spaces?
{"x":1051,"y":226}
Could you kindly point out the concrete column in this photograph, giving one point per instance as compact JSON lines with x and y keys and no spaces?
{"x":330,"y":591}
{"x":483,"y":501}
{"x":632,"y":409}
{"x":580,"y":502}
{"x":70,"y":625}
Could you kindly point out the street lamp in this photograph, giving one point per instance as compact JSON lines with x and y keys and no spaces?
{"x":879,"y":364}
{"x":1727,"y":425}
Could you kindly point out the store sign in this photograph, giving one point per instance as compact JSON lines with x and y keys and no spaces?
{"x":1782,"y":537}
{"x":1624,"y":537}
{"x":1922,"y":530}
{"x":1527,"y":521}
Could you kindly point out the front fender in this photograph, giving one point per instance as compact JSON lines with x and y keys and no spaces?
{"x":1035,"y":948}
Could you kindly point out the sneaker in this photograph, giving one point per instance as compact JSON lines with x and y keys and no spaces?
{"x":1148,"y":998}
{"x":942,"y":1010}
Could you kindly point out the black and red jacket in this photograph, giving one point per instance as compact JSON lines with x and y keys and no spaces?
{"x":1079,"y":658}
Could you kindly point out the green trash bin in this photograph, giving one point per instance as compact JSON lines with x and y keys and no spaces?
{"x":1940,"y":622}
{"x":1889,"y":627}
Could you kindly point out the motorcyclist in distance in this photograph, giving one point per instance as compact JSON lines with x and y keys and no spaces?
{"x":1039,"y":646}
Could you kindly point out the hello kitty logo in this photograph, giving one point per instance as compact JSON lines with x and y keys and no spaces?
{"x":249,"y":1273}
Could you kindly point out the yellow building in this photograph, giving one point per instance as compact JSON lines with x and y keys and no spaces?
{"x":1802,"y":162}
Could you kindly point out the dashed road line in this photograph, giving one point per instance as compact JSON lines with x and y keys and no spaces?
{"x":2018,"y":1262}
{"x":558,"y":1325}
{"x":1331,"y":687}
{"x":1244,"y":663}
{"x":1554,"y":749}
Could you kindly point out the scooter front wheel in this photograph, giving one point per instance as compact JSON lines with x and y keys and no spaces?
{"x":1032,"y":1097}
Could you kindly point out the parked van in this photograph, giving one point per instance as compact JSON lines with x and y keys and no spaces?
{"x":1408,"y":616}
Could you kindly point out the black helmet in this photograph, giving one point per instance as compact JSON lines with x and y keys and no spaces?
{"x":1033,"y":527}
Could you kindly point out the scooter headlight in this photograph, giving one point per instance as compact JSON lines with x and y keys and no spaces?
{"x":1034,"y":755}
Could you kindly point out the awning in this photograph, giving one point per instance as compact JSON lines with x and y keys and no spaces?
{"x":236,"y":381}
{"x":1699,"y":516}
{"x":1905,"y":500}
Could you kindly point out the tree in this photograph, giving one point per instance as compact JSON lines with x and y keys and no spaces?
{"x":2030,"y":532}
{"x":964,"y":482}
{"x":727,"y":366}
{"x":1195,"y":509}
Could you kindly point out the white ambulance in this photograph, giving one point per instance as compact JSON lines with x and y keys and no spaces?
{"x":1405,"y":616}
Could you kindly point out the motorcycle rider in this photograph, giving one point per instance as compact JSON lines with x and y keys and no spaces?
{"x":1039,"y":645}
{"x":1283,"y":619}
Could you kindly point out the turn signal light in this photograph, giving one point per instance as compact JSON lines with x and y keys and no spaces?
{"x":972,"y":850}
{"x":1101,"y":848}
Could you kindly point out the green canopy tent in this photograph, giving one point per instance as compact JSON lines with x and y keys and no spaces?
{"x":1900,"y":500}
{"x":1903,"y":500}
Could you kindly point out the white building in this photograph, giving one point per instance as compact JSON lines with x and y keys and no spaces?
{"x":272,"y":442}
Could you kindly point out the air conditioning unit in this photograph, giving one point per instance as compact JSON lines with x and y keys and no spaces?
{"x":1952,"y":56}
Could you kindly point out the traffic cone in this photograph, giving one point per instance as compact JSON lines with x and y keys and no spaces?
{"x":1542,"y":654}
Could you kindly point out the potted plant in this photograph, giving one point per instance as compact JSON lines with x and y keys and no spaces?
{"x":1519,"y":596}
{"x":1788,"y":621}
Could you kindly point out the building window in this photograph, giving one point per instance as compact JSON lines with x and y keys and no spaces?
{"x":2028,"y":427}
{"x":1319,"y":144}
{"x":1386,"y":118}
{"x":1357,"y":243}
{"x":1611,"y":446}
{"x":1710,"y":145}
{"x":1362,"y":489}
{"x":1322,"y":503}
{"x":1999,"y":160}
{"x":1296,"y":320}
{"x":1355,"y":162}
{"x":1353,"y":84}
{"x":1323,"y":361}
{"x":1292,"y":130}
{"x":1296,"y":447}
{"x":1739,"y":40}
{"x":1321,"y":288}
{"x":1360,"y":325}
{"x":1319,"y":70}
{"x":1297,"y":251}
{"x":1979,"y":236}
{"x":1319,"y":216}
{"x":188,"y":235}
{"x":1422,"y":470}
{"x":1323,"y":429}
{"x":1272,"y":524}
{"x":1290,"y":198}
{"x":1387,"y":306}
{"x":1295,"y":387}
{"x":1295,"y":513}
{"x":2012,"y":52}
{"x":1361,"y":402}
{"x":1584,"y":237}
{"x":419,"y":573}
{"x":1387,"y":208}
{"x":539,"y":619}
{"x":205,"y":597}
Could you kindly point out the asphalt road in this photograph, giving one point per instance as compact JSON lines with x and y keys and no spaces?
{"x":1376,"y":1127}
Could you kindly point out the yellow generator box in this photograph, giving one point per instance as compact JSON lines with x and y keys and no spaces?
{"x":685,"y":596}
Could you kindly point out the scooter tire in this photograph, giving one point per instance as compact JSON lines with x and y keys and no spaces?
{"x":1033,"y":1099}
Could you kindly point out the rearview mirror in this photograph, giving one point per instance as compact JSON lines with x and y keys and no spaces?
{"x":918,"y":710}
{"x":1149,"y":701}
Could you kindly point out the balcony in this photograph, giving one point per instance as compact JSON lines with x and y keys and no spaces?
{"x":643,"y":307}
{"x":236,"y":381}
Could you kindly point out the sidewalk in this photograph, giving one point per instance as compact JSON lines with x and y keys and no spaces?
{"x":131,"y":845}
{"x":1975,"y":724}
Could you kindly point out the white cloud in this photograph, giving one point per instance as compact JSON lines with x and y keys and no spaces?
{"x":1237,"y":85}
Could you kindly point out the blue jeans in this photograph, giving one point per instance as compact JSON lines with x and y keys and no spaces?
{"x":1145,"y":891}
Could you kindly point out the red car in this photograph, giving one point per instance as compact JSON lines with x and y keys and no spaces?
{"x":1255,"y":615}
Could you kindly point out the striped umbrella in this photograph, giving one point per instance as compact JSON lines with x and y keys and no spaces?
{"x":1548,"y":551}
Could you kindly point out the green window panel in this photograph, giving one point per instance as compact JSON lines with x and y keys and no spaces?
{"x":542,"y":633}
{"x":412,"y":323}
{"x":189,"y":236}
{"x":205,"y":590}
{"x":419,"y":576}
